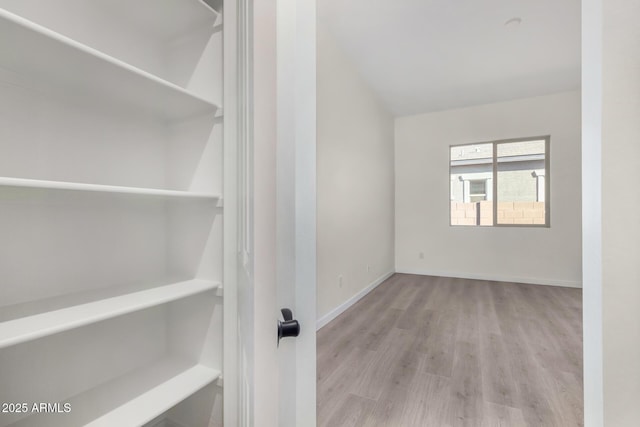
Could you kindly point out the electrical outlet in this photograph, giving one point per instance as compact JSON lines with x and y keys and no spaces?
{"x":340,"y":281}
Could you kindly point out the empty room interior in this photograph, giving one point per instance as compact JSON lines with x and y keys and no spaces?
{"x":449,"y":287}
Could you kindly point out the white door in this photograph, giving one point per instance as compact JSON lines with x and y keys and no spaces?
{"x":296,"y":207}
{"x":276,"y":207}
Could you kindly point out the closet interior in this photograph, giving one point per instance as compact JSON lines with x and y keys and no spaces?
{"x":111,"y":212}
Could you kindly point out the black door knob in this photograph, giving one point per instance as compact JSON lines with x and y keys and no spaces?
{"x":290,"y":327}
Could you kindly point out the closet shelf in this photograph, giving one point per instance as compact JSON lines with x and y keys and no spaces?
{"x":29,"y":328}
{"x":96,"y":188}
{"x":132,"y":399}
{"x":63,"y":65}
{"x":147,"y":406}
{"x":169,"y":19}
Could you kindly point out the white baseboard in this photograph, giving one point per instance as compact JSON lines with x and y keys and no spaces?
{"x":493,"y":277}
{"x":348,"y":303}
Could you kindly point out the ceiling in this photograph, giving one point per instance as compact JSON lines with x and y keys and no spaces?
{"x":431,"y":55}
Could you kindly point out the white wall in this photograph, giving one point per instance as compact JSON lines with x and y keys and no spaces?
{"x":355,"y":179}
{"x":533,"y":255}
{"x":620,"y":211}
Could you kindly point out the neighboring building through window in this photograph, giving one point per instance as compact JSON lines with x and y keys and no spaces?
{"x":515,"y":171}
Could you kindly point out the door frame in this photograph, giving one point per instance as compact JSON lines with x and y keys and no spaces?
{"x":591,"y":161}
{"x":232,"y":51}
{"x":591,"y":200}
{"x":258,"y":146}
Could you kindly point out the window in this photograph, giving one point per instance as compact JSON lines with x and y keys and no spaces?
{"x":477,"y":190}
{"x":501,"y":183}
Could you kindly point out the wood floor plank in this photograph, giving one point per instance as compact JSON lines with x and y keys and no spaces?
{"x":488,"y":321}
{"x":502,"y":416}
{"x":498,"y":385}
{"x":347,"y":331}
{"x":379,"y":329}
{"x":412,"y":315}
{"x":387,"y":411}
{"x":441,"y":344}
{"x":466,"y":403}
{"x":529,"y":375}
{"x":468,"y":328}
{"x":378,"y":374}
{"x":390,"y":406}
{"x":552,"y":352}
{"x":350,"y":413}
{"x":341,"y":381}
{"x":426,"y":328}
{"x":405,"y":293}
{"x":439,"y":293}
{"x":434,"y":351}
{"x":427,"y":402}
{"x":358,"y":312}
{"x":568,"y":398}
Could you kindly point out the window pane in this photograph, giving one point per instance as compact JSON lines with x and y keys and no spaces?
{"x":478,"y":187}
{"x":471,"y":184}
{"x":521,"y":182}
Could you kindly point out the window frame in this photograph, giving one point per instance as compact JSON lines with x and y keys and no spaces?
{"x":494,"y":165}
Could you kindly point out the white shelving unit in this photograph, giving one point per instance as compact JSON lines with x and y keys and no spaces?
{"x":111,"y":221}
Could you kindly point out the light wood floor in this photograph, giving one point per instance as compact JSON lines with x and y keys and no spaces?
{"x":433,"y":351}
